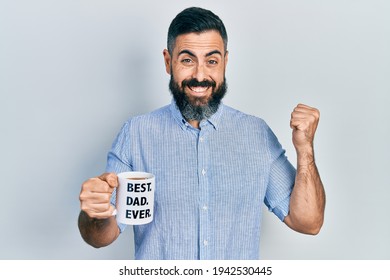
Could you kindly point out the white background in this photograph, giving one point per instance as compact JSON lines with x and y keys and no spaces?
{"x":71,"y":72}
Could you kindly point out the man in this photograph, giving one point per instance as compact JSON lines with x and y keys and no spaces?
{"x":214,"y":165}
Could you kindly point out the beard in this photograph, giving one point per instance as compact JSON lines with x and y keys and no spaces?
{"x":197,"y":108}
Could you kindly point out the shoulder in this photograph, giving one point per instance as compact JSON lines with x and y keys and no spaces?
{"x":154,"y":117}
{"x":240,"y":119}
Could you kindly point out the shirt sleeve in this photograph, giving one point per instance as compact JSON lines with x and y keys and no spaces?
{"x":118,"y":159}
{"x":281,"y":178}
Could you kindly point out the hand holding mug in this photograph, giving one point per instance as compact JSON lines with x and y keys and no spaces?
{"x":96,"y":194}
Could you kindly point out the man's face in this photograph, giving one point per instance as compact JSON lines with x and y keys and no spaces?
{"x":197,"y":68}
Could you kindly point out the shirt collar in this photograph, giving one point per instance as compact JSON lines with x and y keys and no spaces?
{"x":213,"y":120}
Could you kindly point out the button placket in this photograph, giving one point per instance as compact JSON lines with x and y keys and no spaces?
{"x":204,"y":194}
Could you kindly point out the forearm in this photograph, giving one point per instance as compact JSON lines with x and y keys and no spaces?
{"x":98,"y":232}
{"x":307,"y":203}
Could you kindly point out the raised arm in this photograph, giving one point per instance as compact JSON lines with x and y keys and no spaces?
{"x":307,"y":202}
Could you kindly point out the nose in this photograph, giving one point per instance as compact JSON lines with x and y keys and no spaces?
{"x":200,"y":72}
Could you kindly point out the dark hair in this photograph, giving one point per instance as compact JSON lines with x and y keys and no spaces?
{"x":195,"y":20}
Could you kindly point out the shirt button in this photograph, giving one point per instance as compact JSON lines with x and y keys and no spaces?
{"x":201,"y":139}
{"x":204,"y":207}
{"x":205,"y":243}
{"x":203,"y":172}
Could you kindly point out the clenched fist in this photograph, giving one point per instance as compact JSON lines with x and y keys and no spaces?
{"x":95,"y":196}
{"x":304,"y":122}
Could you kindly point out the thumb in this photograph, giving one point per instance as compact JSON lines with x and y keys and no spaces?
{"x":110,"y":178}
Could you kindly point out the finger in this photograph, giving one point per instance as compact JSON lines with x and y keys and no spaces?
{"x":307,"y":109}
{"x":98,"y":207}
{"x":293,"y":124}
{"x":300,"y":115}
{"x":299,"y":124}
{"x":298,"y":119}
{"x":96,"y":185}
{"x":110,"y":178}
{"x":95,"y":197}
{"x":107,"y":213}
{"x":300,"y":105}
{"x":311,"y":116}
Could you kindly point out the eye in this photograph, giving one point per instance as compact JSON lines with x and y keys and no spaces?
{"x":213,"y":62}
{"x":186,"y":60}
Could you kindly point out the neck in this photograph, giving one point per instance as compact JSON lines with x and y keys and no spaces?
{"x":194,"y":123}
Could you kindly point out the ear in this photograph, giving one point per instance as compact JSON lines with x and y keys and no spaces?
{"x":167,"y":61}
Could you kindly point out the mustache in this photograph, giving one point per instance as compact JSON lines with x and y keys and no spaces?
{"x":196,"y":83}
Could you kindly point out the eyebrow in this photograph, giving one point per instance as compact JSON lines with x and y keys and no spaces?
{"x":193,"y":55}
{"x":214,"y":52}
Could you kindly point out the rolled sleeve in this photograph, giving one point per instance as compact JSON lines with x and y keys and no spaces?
{"x":281,"y":179}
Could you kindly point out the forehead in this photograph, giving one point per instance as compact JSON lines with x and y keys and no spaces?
{"x":202,"y":42}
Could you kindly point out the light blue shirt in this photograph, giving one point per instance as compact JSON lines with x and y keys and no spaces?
{"x":210,"y":182}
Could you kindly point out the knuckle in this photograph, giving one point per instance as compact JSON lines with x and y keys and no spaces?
{"x":293,"y":114}
{"x":82,"y":196}
{"x":315,"y":111}
{"x":85,"y":208}
{"x":84,"y":185}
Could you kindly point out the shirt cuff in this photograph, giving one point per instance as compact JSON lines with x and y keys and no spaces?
{"x":282,"y":210}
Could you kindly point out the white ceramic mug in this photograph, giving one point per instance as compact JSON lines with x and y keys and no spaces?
{"x":135,"y":198}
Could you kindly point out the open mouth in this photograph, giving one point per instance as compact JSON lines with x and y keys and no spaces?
{"x":199,"y":90}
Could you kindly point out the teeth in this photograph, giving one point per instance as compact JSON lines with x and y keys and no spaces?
{"x":199,"y":89}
